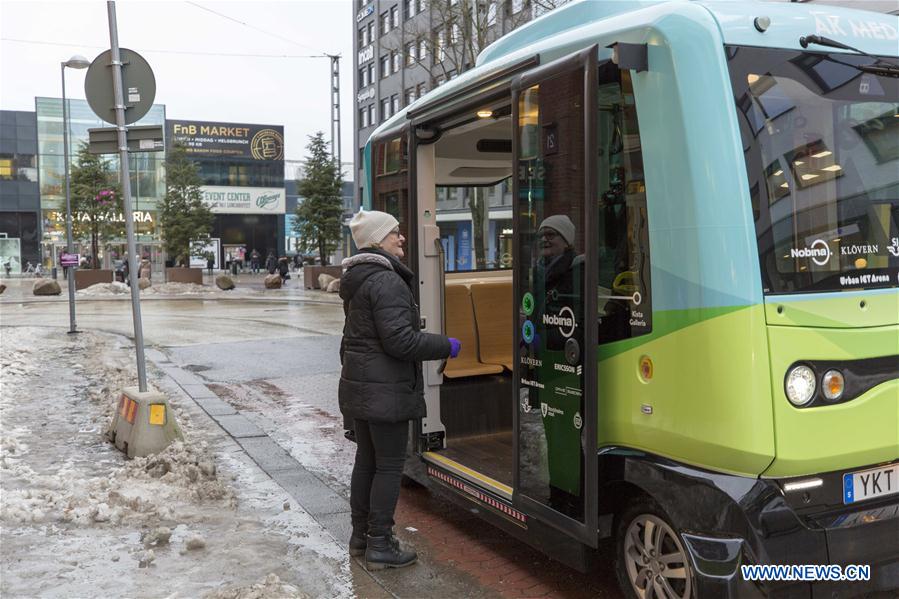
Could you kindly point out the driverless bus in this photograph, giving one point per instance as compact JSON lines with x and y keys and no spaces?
{"x":667,"y":234}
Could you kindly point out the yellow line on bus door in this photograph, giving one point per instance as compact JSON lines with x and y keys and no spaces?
{"x":454,"y":465}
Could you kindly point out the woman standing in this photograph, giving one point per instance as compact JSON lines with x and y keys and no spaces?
{"x":381,"y":385}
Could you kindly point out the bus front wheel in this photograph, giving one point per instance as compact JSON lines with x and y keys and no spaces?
{"x":651,"y":561}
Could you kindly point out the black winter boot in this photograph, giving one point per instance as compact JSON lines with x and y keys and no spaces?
{"x":357,"y":545}
{"x":385,"y":552}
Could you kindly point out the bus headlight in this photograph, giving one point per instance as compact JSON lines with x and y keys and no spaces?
{"x":833,"y":385}
{"x":800,"y":385}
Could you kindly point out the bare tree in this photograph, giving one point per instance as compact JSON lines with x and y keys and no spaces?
{"x":447,"y":41}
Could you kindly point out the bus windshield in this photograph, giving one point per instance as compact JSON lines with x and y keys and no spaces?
{"x":821,"y":142}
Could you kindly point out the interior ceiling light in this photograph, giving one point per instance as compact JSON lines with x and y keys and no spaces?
{"x":798,"y":162}
{"x":822,"y":154}
{"x":778,"y":173}
{"x":809,"y":177}
{"x":485,"y":114}
{"x":785,"y":185}
{"x":832,"y":167}
{"x":752,"y":78}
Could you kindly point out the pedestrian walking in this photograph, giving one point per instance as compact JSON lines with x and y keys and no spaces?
{"x":381,"y":386}
{"x":254,"y":261}
{"x":210,"y":262}
{"x":146,"y":269}
{"x":126,"y":268}
{"x":271,"y":264}
{"x":284,"y":269}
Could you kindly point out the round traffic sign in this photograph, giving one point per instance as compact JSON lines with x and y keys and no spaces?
{"x":138,"y":86}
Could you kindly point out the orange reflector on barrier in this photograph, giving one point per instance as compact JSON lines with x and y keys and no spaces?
{"x":157,"y":414}
{"x":132,"y":410}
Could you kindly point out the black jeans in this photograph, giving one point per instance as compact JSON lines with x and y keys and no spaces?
{"x":375,"y":486}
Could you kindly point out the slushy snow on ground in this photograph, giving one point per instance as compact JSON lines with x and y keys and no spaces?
{"x":79,"y":519}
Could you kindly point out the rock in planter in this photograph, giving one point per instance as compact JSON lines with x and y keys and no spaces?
{"x":324,"y":280}
{"x":273,"y":282}
{"x":334,"y":286}
{"x":46,"y":287}
{"x":143,"y":283}
{"x":224,"y":282}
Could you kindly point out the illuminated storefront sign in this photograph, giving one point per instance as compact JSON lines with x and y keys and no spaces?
{"x":204,"y":139}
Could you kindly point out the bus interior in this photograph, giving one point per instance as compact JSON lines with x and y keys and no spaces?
{"x":473,"y":153}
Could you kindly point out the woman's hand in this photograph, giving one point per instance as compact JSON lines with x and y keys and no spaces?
{"x":455,"y":347}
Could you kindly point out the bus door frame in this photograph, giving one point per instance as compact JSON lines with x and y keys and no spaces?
{"x":430,"y":433}
{"x":586,"y":531}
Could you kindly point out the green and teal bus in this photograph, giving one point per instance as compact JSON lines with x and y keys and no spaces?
{"x":667,"y":234}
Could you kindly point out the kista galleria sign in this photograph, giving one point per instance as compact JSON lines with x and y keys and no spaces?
{"x":244,"y":200}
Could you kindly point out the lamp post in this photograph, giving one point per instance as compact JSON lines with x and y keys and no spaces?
{"x":76,"y":62}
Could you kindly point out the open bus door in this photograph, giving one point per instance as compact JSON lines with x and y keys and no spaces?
{"x":554,"y":282}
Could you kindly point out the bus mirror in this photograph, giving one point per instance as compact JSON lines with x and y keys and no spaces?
{"x":630,"y":56}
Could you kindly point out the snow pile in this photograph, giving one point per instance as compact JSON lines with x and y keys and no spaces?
{"x":92,"y":483}
{"x":178,"y":289}
{"x":269,"y":587}
{"x":114,"y":288}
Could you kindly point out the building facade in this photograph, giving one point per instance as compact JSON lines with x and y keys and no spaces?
{"x":405,"y":48}
{"x":242,"y":167}
{"x":147,"y":183}
{"x":20,"y":199}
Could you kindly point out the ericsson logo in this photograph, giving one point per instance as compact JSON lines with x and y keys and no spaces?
{"x":819,"y":252}
{"x":564,"y":320}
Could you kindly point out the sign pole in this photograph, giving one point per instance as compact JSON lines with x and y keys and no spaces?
{"x":126,"y":193}
{"x":70,"y":246}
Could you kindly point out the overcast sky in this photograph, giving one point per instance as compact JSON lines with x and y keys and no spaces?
{"x":176,"y":37}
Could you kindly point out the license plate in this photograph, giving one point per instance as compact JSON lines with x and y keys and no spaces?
{"x":868,"y":484}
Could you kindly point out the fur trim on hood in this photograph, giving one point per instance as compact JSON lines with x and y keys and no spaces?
{"x":366,"y":258}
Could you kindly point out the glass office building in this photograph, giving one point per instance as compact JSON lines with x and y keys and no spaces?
{"x":147,"y":181}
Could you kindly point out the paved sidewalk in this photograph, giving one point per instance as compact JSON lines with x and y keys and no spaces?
{"x":326,"y":506}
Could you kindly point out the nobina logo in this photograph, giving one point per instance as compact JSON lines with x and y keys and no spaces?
{"x":564,"y":320}
{"x":819,"y":252}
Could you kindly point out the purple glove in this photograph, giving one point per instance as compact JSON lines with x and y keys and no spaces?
{"x":455,"y":347}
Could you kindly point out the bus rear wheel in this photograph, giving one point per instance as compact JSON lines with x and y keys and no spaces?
{"x":651,"y":561}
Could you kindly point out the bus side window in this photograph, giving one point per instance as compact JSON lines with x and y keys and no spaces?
{"x":625,"y":300}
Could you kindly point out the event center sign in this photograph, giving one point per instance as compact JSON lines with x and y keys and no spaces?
{"x":244,"y":200}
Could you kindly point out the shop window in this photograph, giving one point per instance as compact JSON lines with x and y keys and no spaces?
{"x":6,"y":167}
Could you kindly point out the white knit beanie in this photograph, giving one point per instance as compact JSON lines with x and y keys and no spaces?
{"x":371,"y":227}
{"x":562,"y":224}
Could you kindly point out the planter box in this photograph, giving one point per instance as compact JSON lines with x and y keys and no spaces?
{"x":89,"y":276}
{"x":310,"y":274}
{"x":180,"y":274}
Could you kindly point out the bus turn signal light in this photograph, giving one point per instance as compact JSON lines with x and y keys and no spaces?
{"x":833,"y":385}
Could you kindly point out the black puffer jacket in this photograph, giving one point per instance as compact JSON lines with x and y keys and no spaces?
{"x":383,"y":346}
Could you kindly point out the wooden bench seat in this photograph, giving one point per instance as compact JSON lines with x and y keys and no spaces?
{"x":492,"y":303}
{"x":460,"y":323}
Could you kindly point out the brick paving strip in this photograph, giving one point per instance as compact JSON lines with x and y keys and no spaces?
{"x":330,"y":509}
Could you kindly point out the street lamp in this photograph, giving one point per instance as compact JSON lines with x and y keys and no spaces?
{"x":76,"y":62}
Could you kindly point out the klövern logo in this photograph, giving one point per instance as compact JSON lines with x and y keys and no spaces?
{"x":819,"y":252}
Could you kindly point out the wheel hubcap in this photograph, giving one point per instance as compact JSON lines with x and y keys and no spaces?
{"x":655,"y":560}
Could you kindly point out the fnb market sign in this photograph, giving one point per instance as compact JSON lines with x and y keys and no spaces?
{"x":203,"y":139}
{"x":244,"y":200}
